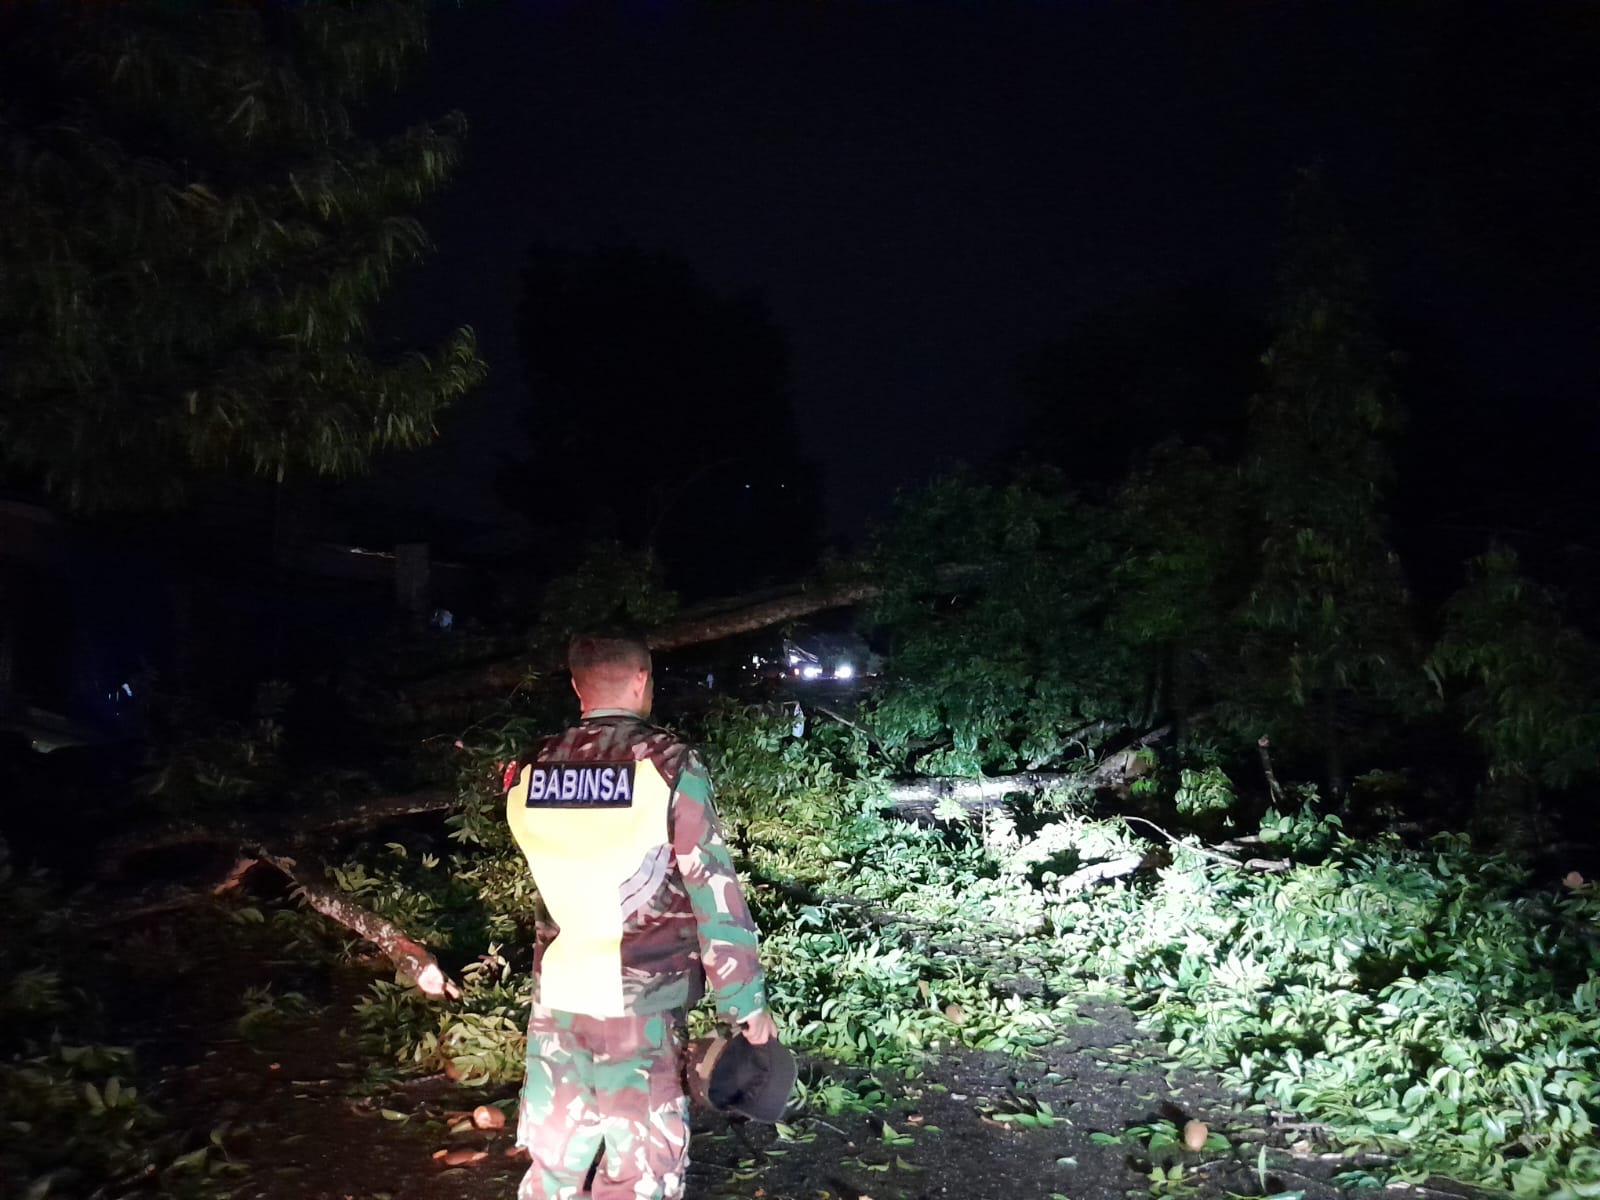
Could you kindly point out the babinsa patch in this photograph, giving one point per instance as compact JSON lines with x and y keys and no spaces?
{"x":581,"y":785}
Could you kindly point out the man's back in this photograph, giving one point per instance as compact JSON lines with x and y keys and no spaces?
{"x":636,"y":887}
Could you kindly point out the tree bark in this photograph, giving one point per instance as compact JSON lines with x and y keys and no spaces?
{"x":1266,"y":769}
{"x":920,"y":798}
{"x":1095,"y":873}
{"x":693,"y":629}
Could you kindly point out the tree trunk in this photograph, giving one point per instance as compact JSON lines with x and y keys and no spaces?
{"x":1154,"y":685}
{"x":9,"y":605}
{"x":690,"y":629}
{"x":920,"y":798}
{"x":1335,"y":758}
{"x":1177,"y":707}
{"x":1273,"y":789}
{"x":693,"y":629}
{"x":410,"y":957}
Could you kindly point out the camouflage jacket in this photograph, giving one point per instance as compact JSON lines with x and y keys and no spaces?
{"x":639,"y":903}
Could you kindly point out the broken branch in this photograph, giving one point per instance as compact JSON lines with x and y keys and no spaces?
{"x":412,"y":961}
{"x":1251,"y":864}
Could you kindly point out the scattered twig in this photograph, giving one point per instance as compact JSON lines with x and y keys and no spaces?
{"x":1270,"y":865}
{"x":1240,"y":845}
{"x":1433,"y":1191}
{"x":872,"y":739}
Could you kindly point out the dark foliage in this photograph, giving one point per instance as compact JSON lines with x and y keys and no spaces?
{"x":195,"y":230}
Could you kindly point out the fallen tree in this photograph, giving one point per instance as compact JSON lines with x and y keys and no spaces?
{"x":709,"y":623}
{"x":412,"y":960}
{"x":282,"y":842}
{"x":920,"y":798}
{"x":252,"y":842}
{"x":698,"y":628}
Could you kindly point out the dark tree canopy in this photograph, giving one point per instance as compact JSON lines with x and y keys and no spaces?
{"x":1135,"y":374}
{"x":195,"y":231}
{"x":1328,"y":614}
{"x":660,"y":416}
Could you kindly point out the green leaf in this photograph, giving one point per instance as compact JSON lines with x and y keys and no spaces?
{"x":192,"y":1161}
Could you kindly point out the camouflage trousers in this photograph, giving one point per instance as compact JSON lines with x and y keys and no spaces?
{"x":603,"y":1082}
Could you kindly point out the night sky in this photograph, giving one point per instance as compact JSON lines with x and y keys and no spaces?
{"x":926,"y":193}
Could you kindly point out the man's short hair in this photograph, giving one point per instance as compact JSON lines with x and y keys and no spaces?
{"x":608,"y":656}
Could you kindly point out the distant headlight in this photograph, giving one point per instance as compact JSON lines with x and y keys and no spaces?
{"x":811,"y":672}
{"x":844,"y":671}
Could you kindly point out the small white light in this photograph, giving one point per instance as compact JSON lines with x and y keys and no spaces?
{"x":794,"y":660}
{"x":844,"y":671}
{"x":812,"y":672}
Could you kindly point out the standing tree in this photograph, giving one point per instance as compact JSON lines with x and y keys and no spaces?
{"x":661,"y":418}
{"x":1327,"y":617}
{"x":194,"y":232}
{"x":1181,"y":520}
{"x":1526,"y":683}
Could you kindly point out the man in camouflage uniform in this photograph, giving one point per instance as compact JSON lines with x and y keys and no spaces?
{"x":639,"y":907}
